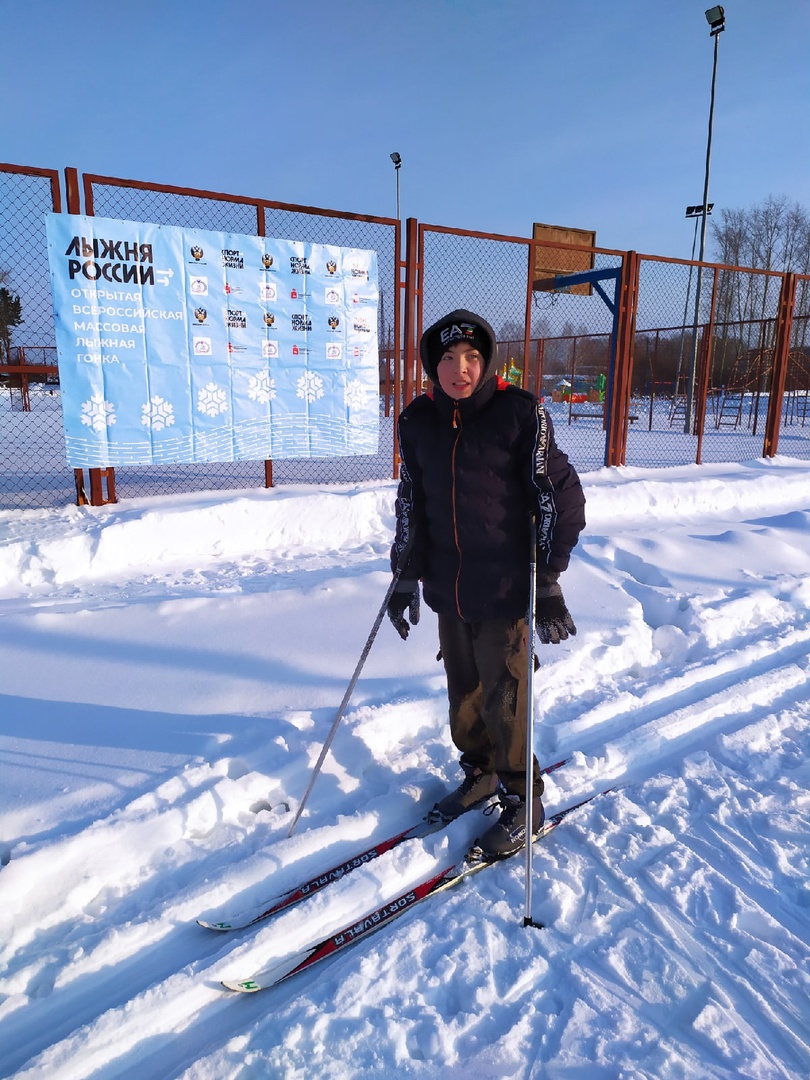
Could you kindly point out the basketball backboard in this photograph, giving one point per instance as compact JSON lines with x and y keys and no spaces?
{"x":549,"y":262}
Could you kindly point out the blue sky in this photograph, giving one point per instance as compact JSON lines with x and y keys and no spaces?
{"x":589,"y":113}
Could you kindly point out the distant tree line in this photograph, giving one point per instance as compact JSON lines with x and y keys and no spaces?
{"x":773,"y":235}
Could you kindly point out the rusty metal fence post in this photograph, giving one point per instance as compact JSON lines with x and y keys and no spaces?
{"x":618,"y":404}
{"x":411,"y":312}
{"x":781,"y":353}
{"x":704,"y":371}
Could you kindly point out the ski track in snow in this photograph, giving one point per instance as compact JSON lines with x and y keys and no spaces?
{"x":677,"y":938}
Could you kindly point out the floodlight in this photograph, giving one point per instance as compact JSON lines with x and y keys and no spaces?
{"x":397,"y":160}
{"x":716,"y":18}
{"x":696,"y":211}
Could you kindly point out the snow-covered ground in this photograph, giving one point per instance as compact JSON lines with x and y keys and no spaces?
{"x":169,"y":673}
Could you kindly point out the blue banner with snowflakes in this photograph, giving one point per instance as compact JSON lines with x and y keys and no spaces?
{"x":180,"y":345}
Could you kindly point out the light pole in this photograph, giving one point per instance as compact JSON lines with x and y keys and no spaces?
{"x":397,"y":160}
{"x":716,"y":18}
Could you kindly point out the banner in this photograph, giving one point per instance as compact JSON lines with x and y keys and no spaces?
{"x":179,"y":345}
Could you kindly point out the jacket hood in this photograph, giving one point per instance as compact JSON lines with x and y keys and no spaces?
{"x":459,"y":325}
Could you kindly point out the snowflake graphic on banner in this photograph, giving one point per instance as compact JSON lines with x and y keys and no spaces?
{"x":261,"y":388}
{"x":355,"y":395}
{"x":157,"y":414}
{"x":98,"y":413}
{"x":310,"y":387}
{"x":211,"y":400}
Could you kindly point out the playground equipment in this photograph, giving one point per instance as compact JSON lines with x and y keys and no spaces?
{"x":749,"y":383}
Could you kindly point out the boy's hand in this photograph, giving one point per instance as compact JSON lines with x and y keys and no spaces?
{"x":552,"y":617}
{"x":405,"y":597}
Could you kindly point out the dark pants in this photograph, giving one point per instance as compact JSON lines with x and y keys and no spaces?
{"x":486,"y":665}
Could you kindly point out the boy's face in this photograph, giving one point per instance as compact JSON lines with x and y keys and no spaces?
{"x":459,"y":370}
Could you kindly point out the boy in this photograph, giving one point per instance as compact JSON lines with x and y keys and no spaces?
{"x":478,"y":458}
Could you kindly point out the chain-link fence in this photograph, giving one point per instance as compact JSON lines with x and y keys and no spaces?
{"x":701,"y":357}
{"x":708,"y":364}
{"x":33,"y":468}
{"x":693,"y":365}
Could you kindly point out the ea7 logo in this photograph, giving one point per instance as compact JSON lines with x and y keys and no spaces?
{"x":457,"y":332}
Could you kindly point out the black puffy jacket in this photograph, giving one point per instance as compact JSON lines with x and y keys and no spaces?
{"x":472,"y":472}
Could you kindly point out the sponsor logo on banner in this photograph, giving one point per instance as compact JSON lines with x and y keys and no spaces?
{"x":333,"y":295}
{"x":358,"y":299}
{"x":200,"y":314}
{"x":300,"y":350}
{"x":361,"y":325}
{"x":197,"y":253}
{"x":269,"y":318}
{"x":268,"y":291}
{"x":334,"y":322}
{"x":233,"y":259}
{"x":267,"y":261}
{"x":301,"y":322}
{"x":198,"y":286}
{"x":299,"y":265}
{"x":202,"y":346}
{"x":334,"y":350}
{"x":270,"y":350}
{"x":236,"y":319}
{"x":358,"y":271}
{"x":331,"y":267}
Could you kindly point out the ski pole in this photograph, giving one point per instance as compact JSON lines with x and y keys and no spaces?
{"x":527,"y":914}
{"x":345,"y":702}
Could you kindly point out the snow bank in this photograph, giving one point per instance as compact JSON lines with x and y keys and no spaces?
{"x":170,"y":672}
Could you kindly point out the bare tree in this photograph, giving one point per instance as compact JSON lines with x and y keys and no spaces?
{"x":771,"y":236}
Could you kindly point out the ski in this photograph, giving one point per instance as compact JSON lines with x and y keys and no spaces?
{"x":277,"y":904}
{"x":445,"y":878}
{"x":250,"y":916}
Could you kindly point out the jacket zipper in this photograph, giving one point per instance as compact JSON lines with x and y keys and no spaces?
{"x":457,"y":428}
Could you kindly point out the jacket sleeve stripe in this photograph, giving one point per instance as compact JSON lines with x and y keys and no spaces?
{"x":546,"y":507}
{"x":403,"y":540}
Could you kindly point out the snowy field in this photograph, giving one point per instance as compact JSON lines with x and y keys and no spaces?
{"x":169,"y":675}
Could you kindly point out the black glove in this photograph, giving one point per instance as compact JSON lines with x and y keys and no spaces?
{"x":405,"y":597}
{"x":552,"y":617}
